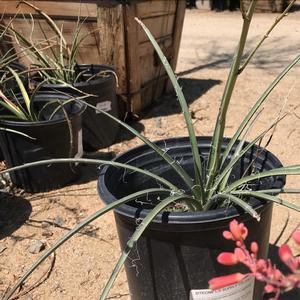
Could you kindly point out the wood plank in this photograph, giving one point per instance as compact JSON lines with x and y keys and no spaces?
{"x":147,"y":48}
{"x":159,"y":26}
{"x":88,"y":50}
{"x":111,"y":42}
{"x":177,"y":32}
{"x":154,"y":8}
{"x":152,"y":67}
{"x":52,"y":8}
{"x":132,"y":58}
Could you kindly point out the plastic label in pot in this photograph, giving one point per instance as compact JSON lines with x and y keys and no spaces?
{"x":240,"y":291}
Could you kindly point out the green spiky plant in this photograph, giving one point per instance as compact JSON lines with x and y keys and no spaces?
{"x":51,"y":58}
{"x":208,"y":183}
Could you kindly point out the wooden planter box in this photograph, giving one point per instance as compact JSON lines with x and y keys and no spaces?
{"x":268,"y":5}
{"x":119,"y":42}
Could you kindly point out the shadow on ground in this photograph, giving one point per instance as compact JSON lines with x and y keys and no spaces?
{"x":90,"y":172}
{"x":271,"y":55}
{"x":14,"y":212}
{"x":273,"y":255}
{"x":192,"y":88}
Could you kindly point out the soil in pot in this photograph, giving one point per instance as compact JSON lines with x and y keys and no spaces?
{"x":59,"y":137}
{"x":99,"y":131}
{"x":177,"y":252}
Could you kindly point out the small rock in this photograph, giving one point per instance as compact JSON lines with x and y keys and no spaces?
{"x":37,"y":247}
{"x":47,"y":233}
{"x":29,"y":298}
{"x":2,"y":248}
{"x":58,"y":221}
{"x":158,"y":122}
{"x":45,"y":224}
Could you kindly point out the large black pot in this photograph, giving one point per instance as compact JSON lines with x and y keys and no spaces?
{"x":178,"y":251}
{"x":52,"y":139}
{"x":99,"y":131}
{"x":11,"y":85}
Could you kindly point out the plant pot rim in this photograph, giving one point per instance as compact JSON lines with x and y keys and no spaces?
{"x":203,"y":217}
{"x":78,"y":85}
{"x":81,"y":108}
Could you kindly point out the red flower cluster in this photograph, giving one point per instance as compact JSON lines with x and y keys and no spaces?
{"x":262,"y":270}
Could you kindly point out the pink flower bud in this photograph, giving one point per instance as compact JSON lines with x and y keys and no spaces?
{"x":239,"y":253}
{"x":286,"y":255}
{"x":227,"y":259}
{"x":269,"y":288}
{"x":254,"y":247}
{"x":238,"y":231}
{"x":227,"y":235}
{"x":296,"y":236}
{"x":222,"y":281}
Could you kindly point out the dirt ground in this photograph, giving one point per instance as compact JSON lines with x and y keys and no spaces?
{"x":84,"y":263}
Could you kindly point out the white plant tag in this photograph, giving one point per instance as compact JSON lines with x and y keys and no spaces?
{"x":240,"y":291}
{"x":106,"y":106}
{"x":80,"y":147}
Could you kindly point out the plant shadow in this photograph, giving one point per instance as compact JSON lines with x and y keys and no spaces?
{"x":273,"y":256}
{"x":14,"y":212}
{"x":192,"y":89}
{"x":90,"y":172}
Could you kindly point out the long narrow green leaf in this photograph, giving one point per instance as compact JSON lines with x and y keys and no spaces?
{"x":275,"y":199}
{"x":133,"y":240}
{"x":16,"y":132}
{"x":292,"y":170}
{"x":198,"y":187}
{"x":94,"y":162}
{"x":235,"y":159}
{"x":163,"y":154}
{"x":12,"y":107}
{"x":215,"y":150}
{"x":257,"y":105}
{"x":243,"y":204}
{"x":75,"y":230}
{"x":49,"y":21}
{"x":23,"y":92}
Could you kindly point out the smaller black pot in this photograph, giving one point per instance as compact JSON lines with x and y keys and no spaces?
{"x":52,"y":139}
{"x":11,"y":85}
{"x":99,"y":131}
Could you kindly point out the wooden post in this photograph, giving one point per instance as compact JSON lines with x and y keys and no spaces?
{"x":133,"y":59}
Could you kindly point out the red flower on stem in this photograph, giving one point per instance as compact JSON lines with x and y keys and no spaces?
{"x":262,"y":270}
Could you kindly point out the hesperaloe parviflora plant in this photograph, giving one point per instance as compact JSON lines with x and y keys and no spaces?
{"x":210,"y":181}
{"x":51,"y":58}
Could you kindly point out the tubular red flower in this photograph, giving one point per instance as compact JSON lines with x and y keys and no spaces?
{"x":227,"y":235}
{"x":254,"y":247}
{"x":238,"y":231}
{"x":296,"y":236}
{"x":286,"y":255}
{"x":223,"y":281}
{"x":239,"y":253}
{"x":227,"y":259}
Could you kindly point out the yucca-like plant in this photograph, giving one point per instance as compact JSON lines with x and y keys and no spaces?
{"x":210,"y":181}
{"x":52,"y":58}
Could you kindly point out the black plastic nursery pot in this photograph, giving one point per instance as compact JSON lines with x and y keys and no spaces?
{"x":99,"y":131}
{"x":59,"y":137}
{"x":177,"y":252}
{"x":11,"y":84}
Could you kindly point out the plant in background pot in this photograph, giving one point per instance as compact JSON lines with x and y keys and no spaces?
{"x":174,"y":198}
{"x":50,"y":124}
{"x":54,"y":61}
